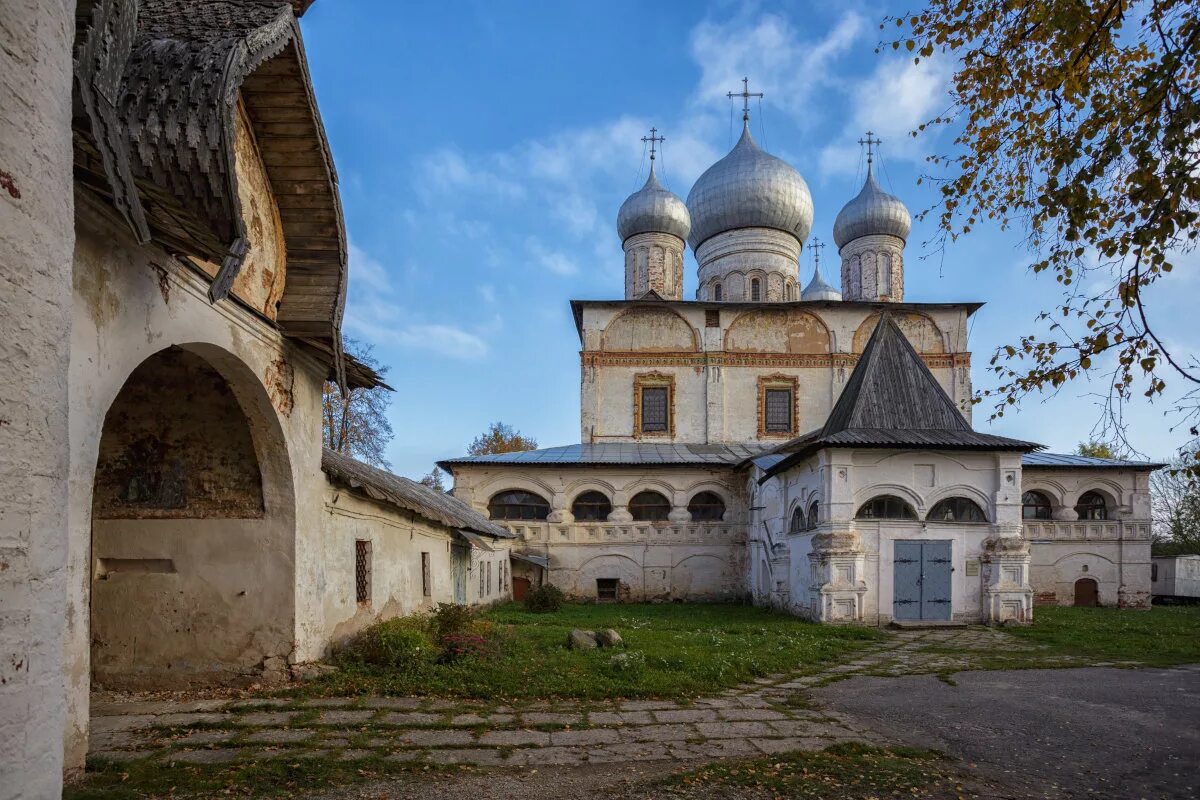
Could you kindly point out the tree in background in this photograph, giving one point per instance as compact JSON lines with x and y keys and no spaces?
{"x":1076,"y":120}
{"x":357,"y":425}
{"x":1096,"y":450}
{"x":1175,"y":508}
{"x":435,"y":480}
{"x":500,"y":438}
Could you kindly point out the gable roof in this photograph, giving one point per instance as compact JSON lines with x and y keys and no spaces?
{"x":409,"y":495}
{"x":158,"y":84}
{"x":892,"y":400}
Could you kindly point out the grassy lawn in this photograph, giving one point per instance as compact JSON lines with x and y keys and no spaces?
{"x":1162,"y":636}
{"x":670,"y":651}
{"x":844,"y":771}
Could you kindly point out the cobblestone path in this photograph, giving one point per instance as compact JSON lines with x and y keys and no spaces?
{"x":770,"y":715}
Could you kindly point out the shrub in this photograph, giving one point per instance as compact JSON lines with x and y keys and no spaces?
{"x":450,"y":618}
{"x":544,"y":599}
{"x":403,"y":645}
{"x":466,"y":645}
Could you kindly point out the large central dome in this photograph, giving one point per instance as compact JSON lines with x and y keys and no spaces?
{"x":749,"y":188}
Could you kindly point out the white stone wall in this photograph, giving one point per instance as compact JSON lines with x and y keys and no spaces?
{"x":129,"y":303}
{"x":36,"y":235}
{"x":717,"y":369}
{"x":654,"y":262}
{"x":1114,"y":552}
{"x":873,"y":269}
{"x":1176,"y":576}
{"x":735,"y":258}
{"x":675,"y":559}
{"x":855,"y":584}
{"x":397,"y":538}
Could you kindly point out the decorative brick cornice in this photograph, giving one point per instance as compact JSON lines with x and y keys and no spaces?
{"x":721,"y":358}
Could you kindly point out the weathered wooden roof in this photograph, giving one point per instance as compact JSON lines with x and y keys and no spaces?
{"x":158,"y":83}
{"x":892,"y":400}
{"x":409,"y":495}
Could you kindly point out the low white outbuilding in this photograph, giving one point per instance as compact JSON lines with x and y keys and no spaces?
{"x":1175,"y":576}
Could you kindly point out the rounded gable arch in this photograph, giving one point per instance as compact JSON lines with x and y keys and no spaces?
{"x":972,"y":493}
{"x":500,"y":483}
{"x":903,"y":492}
{"x":778,"y":330}
{"x":920,"y":330}
{"x":649,"y":329}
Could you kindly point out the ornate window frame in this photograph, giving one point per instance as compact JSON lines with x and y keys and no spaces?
{"x":778,"y":381}
{"x":658,"y":380}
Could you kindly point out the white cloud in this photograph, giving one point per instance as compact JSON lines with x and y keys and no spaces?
{"x":447,"y":172}
{"x":445,"y":340}
{"x":487,"y":292}
{"x":557,"y":262}
{"x":788,"y":68}
{"x":366,"y":271}
{"x":892,"y":101}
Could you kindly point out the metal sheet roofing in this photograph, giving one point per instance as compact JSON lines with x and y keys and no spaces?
{"x":1070,"y":460}
{"x":409,"y":495}
{"x":620,"y":453}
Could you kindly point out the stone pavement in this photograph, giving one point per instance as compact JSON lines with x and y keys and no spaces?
{"x":770,"y":715}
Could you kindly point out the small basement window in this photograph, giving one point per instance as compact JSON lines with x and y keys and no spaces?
{"x":607,"y":588}
{"x":362,"y":571}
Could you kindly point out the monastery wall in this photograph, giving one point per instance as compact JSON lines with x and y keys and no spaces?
{"x":670,"y":559}
{"x":397,"y":586}
{"x":1115,"y":552}
{"x":36,"y":237}
{"x":220,"y":558}
{"x":719,"y":358}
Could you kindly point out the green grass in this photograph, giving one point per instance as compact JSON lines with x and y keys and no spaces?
{"x":847,"y":770}
{"x":279,"y":776}
{"x":1162,"y":636}
{"x":682,"y":651}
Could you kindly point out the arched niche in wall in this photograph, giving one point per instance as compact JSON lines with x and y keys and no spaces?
{"x":921,"y":331}
{"x":649,"y":329}
{"x":778,"y":330}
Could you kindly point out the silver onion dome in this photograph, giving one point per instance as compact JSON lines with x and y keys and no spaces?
{"x":873,"y":212}
{"x":818,"y":289}
{"x":749,"y":188}
{"x":653,"y":209}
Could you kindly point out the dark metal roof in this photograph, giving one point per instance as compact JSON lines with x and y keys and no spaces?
{"x":158,"y":84}
{"x":1069,"y":460}
{"x":536,"y":560}
{"x":409,"y":495}
{"x":650,"y":298}
{"x":892,"y":400}
{"x":619,"y":453}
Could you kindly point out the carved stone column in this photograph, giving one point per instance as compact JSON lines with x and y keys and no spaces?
{"x":838,"y":563}
{"x":1007,"y":595}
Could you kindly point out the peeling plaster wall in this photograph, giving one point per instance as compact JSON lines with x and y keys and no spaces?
{"x":397,"y":540}
{"x":36,"y":237}
{"x":1113,"y":552}
{"x":717,"y":368}
{"x":672,"y":559}
{"x":129,"y":303}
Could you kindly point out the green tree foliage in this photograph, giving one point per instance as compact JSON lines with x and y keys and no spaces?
{"x":357,"y":424}
{"x":1175,"y":506}
{"x":1096,"y":450}
{"x":501,"y":438}
{"x":436,"y":480}
{"x":1076,"y":121}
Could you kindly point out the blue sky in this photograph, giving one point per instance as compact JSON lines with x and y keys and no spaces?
{"x":484,"y":148}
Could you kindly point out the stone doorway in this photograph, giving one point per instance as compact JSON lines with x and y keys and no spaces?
{"x":192,"y":578}
{"x":1087,"y":593}
{"x":922,"y":581}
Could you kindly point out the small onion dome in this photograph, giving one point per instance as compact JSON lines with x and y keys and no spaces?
{"x":818,"y":289}
{"x":653,"y":209}
{"x":873,"y":212}
{"x":749,"y":188}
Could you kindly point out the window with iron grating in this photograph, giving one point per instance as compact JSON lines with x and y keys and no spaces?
{"x":362,"y":571}
{"x":654,"y":409}
{"x":778,"y":404}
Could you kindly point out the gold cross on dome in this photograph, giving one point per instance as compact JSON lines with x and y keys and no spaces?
{"x":653,"y":139}
{"x":745,"y":94}
{"x":870,"y":143}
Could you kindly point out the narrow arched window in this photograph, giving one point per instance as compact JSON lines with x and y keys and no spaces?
{"x":814,"y":514}
{"x":706,"y":507}
{"x":518,"y":504}
{"x":1091,"y":505}
{"x":649,"y":506}
{"x":886,"y":506}
{"x":1035,"y":505}
{"x":798,"y":523}
{"x":956,"y":509}
{"x":591,"y":507}
{"x":755,"y":289}
{"x":717,"y":295}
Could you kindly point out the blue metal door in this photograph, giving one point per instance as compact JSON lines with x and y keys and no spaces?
{"x":921,"y":588}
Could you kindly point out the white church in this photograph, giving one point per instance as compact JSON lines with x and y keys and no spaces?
{"x":808,"y":448}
